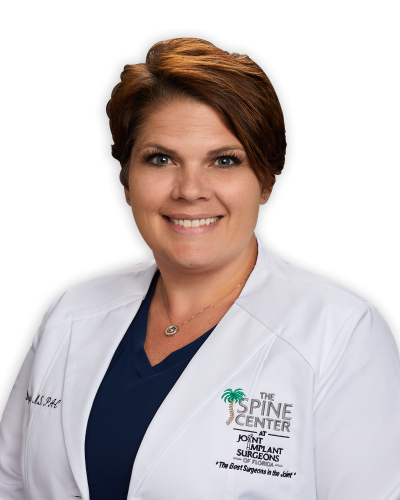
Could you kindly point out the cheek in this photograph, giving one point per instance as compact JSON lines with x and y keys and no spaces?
{"x":147,"y":192}
{"x":242,"y":196}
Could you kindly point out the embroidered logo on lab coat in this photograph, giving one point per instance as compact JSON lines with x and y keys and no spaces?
{"x":261,"y":423}
{"x":231,"y":397}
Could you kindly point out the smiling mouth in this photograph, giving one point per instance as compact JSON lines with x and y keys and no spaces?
{"x":193,"y":223}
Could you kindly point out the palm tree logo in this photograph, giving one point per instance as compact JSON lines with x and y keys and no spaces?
{"x":230,"y":396}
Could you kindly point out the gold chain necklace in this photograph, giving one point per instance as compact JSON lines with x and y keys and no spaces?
{"x":174,"y":329}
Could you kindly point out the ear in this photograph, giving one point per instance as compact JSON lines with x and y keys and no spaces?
{"x":265,"y":196}
{"x":126,"y":193}
{"x":127,"y":196}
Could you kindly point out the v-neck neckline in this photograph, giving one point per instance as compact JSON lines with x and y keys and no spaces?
{"x":137,"y":333}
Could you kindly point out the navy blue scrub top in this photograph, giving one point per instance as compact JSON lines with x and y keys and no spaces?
{"x":127,"y":399}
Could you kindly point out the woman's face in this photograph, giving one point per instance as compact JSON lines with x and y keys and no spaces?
{"x":187,"y":166}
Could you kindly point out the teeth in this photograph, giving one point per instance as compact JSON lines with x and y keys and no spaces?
{"x":194,"y":223}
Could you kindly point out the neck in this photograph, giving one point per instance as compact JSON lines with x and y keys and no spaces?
{"x":186,"y":291}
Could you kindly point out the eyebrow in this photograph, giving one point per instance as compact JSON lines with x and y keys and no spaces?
{"x":209,"y":153}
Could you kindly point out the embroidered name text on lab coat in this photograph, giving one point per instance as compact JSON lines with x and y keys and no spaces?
{"x":49,"y":402}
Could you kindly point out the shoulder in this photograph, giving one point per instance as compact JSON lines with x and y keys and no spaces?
{"x":103,"y":293}
{"x":312,"y":315}
{"x":316,"y":302}
{"x":283,"y":296}
{"x":311,"y":295}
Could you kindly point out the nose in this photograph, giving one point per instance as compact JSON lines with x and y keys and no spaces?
{"x":191,"y":184}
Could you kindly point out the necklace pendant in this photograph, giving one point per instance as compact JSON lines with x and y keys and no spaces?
{"x":171,"y":330}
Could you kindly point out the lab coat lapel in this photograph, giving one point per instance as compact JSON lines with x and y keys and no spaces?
{"x":235,"y":340}
{"x":93,"y":342}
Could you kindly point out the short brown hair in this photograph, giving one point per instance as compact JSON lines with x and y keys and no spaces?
{"x":234,"y":85}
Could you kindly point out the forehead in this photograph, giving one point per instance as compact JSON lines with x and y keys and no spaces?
{"x":182,"y":122}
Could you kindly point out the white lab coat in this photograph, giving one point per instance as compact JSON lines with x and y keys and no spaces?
{"x":318,"y":365}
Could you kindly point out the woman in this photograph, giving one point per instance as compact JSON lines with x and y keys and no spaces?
{"x":215,"y":370}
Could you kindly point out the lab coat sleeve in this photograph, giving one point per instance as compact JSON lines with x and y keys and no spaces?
{"x":357,"y":420}
{"x":11,"y":425}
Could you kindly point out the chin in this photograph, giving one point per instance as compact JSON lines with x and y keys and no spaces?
{"x":193,"y":262}
{"x":193,"y":259}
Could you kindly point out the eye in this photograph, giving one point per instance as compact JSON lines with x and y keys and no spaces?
{"x":228,"y":161}
{"x":156,"y":158}
{"x":224,"y":161}
{"x":159,"y":159}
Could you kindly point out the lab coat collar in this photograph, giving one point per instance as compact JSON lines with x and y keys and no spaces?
{"x":224,"y":354}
